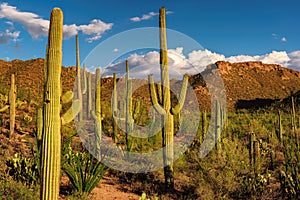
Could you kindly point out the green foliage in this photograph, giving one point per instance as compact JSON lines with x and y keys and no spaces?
{"x":83,"y":170}
{"x":11,"y":190}
{"x":24,"y":169}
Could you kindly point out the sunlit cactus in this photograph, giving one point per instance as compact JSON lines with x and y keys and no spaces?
{"x":164,"y":107}
{"x":115,"y":110}
{"x":51,"y":140}
{"x":129,"y":119}
{"x":12,"y":105}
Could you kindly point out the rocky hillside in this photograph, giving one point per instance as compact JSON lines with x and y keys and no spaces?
{"x":246,"y":82}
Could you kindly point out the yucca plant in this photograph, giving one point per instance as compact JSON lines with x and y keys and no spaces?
{"x":83,"y":169}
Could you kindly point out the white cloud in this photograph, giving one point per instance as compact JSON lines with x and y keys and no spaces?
{"x":144,"y":17}
{"x":6,"y":36}
{"x":115,"y":50}
{"x":147,"y":16}
{"x":196,"y":61}
{"x":283,"y":39}
{"x":294,"y":60}
{"x":36,"y":26}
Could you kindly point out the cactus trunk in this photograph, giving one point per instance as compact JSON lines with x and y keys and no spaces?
{"x":79,"y":92}
{"x":218,"y":126}
{"x":164,"y":106}
{"x":129,"y":120}
{"x":51,"y":140}
{"x":98,"y":119}
{"x":89,"y":96}
{"x":115,"y":109}
{"x":12,"y":106}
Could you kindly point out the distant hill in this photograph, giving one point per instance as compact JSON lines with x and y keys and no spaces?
{"x":245,"y":83}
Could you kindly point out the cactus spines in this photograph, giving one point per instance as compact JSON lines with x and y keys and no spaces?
{"x":51,"y":140}
{"x":12,"y":106}
{"x":165,"y":108}
{"x":79,"y":91}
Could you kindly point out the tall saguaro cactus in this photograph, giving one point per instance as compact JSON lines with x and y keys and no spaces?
{"x":129,"y":120}
{"x":12,"y":105}
{"x":164,"y":107}
{"x":79,"y":94}
{"x":115,"y":111}
{"x":98,"y":117}
{"x":51,"y":140}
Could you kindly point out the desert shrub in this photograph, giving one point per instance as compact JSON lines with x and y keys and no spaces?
{"x":23,"y":169}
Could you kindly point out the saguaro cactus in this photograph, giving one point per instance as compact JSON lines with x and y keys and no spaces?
{"x":51,"y":140}
{"x":89,"y":96}
{"x":129,"y":120}
{"x":218,"y":126}
{"x":80,"y":92}
{"x":98,"y":117}
{"x":115,"y":111}
{"x":279,"y":128}
{"x":12,"y":105}
{"x":164,"y":108}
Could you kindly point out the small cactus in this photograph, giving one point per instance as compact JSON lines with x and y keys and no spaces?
{"x":12,"y":105}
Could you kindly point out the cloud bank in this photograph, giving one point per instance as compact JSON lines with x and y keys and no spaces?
{"x":37,"y":26}
{"x":194,"y":62}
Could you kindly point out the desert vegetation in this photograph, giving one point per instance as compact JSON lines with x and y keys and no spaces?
{"x":256,"y":149}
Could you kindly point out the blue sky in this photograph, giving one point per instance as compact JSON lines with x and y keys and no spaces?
{"x":232,"y":30}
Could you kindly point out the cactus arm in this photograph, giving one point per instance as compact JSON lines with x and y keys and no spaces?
{"x":4,"y":108}
{"x":51,"y":140}
{"x":71,"y":112}
{"x":67,"y":97}
{"x":153,"y":96}
{"x":182,"y":96}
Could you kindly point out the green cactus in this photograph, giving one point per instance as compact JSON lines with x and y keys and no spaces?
{"x":251,"y":149}
{"x":115,"y":110}
{"x":218,"y":126}
{"x":79,"y":91}
{"x":89,"y":96}
{"x":279,"y":128}
{"x":129,"y":120}
{"x":67,"y":97}
{"x":98,"y":117}
{"x":12,"y":105}
{"x":294,"y":125}
{"x":51,"y":140}
{"x":256,"y":157}
{"x":165,"y":109}
{"x":39,"y":126}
